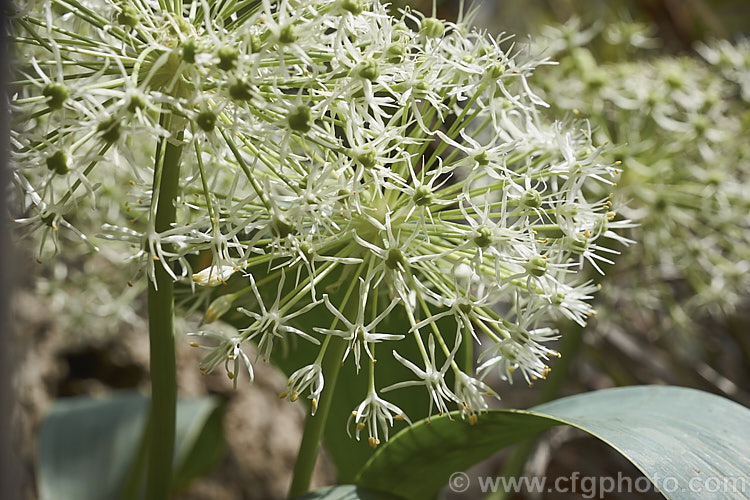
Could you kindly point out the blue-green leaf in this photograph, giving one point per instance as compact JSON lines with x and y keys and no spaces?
{"x":686,"y":435}
{"x":89,"y":447}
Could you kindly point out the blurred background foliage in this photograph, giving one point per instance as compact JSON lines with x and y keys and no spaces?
{"x":680,"y":23}
{"x":664,"y":318}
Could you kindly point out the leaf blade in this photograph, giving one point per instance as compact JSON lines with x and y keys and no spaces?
{"x":88,"y":447}
{"x":643,"y":423}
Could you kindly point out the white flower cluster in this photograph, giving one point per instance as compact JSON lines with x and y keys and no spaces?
{"x":680,"y":121}
{"x":322,"y":145}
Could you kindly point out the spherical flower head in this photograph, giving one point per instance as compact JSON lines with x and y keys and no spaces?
{"x":694,"y":104}
{"x":342,"y":159}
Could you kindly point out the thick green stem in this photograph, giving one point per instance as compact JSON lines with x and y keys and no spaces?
{"x":161,"y":326}
{"x":314,"y":425}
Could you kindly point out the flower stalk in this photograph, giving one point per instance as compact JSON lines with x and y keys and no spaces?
{"x":161,"y":321}
{"x":315,"y":424}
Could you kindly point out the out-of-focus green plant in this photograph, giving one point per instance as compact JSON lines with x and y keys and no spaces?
{"x":678,"y":123}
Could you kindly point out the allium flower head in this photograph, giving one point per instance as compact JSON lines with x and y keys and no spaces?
{"x":329,"y":151}
{"x":685,"y":171}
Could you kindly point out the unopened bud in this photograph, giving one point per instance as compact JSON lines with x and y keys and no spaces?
{"x":218,"y":308}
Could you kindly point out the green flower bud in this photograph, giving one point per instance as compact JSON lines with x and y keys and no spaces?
{"x":715,"y":177}
{"x":189,"y":49}
{"x":701,"y":124}
{"x":596,"y":80}
{"x":496,"y":70}
{"x":136,"y":102}
{"x":288,"y":34}
{"x":206,"y":120}
{"x":432,"y":27}
{"x":369,"y":70}
{"x":536,"y":266}
{"x":255,"y":44}
{"x":394,"y":259}
{"x":299,"y":119}
{"x":128,"y":16}
{"x":482,"y":158}
{"x":58,"y":163}
{"x":531,"y":199}
{"x":568,"y":211}
{"x":601,"y":226}
{"x":483,"y":238}
{"x":56,"y":95}
{"x":422,"y":196}
{"x":400,"y":28}
{"x":367,"y":157}
{"x":675,"y":80}
{"x":280,"y":227}
{"x":396,"y":52}
{"x":577,"y":244}
{"x":48,"y":219}
{"x":218,"y":308}
{"x":306,"y":249}
{"x":227,"y":57}
{"x":110,"y":129}
{"x":353,"y":6}
{"x":240,"y":91}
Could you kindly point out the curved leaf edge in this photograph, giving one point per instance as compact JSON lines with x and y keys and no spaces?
{"x":534,"y":412}
{"x":455,"y":418}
